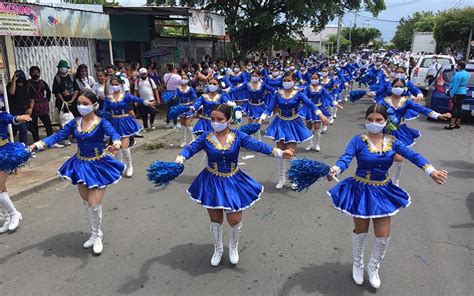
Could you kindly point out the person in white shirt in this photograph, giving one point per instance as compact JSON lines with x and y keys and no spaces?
{"x":433,"y":70}
{"x":99,"y":87}
{"x":172,"y":81}
{"x":146,"y":89}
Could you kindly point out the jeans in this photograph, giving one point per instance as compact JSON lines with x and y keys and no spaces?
{"x":22,"y":130}
{"x":34,"y":126}
{"x":146,"y":111}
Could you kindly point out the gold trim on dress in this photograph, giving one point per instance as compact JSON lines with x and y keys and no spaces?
{"x":253,"y":104}
{"x":426,"y":166}
{"x":229,"y":141}
{"x":233,"y":170}
{"x":387,"y":144}
{"x":294,"y":116}
{"x":120,"y":99}
{"x":120,"y":115}
{"x":316,"y":90}
{"x":184,"y":91}
{"x":97,"y":155}
{"x":402,"y":102}
{"x":187,"y":104}
{"x":293,"y":93}
{"x":3,"y":142}
{"x":207,"y":98}
{"x":93,"y":125}
{"x":372,"y":182}
{"x":259,"y":85}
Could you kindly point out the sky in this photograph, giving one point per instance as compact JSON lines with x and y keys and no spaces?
{"x":386,"y":21}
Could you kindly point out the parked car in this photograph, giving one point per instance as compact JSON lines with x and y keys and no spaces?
{"x":438,"y":100}
{"x":419,"y":73}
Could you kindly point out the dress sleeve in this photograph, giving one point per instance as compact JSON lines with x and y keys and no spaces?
{"x":193,"y":94}
{"x":62,"y":134}
{"x":413,"y":89}
{"x":422,"y":110}
{"x":268,"y":88}
{"x":253,"y":144}
{"x":134,"y":99}
{"x":414,"y":157}
{"x":194,"y":147}
{"x":307,"y":102}
{"x":271,"y":104}
{"x":351,"y":151}
{"x":110,"y":131}
{"x":106,"y":105}
{"x":198,"y":103}
{"x":7,"y":118}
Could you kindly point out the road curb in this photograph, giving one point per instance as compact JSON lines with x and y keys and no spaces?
{"x":56,"y":179}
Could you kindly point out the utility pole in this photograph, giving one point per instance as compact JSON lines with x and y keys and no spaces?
{"x":468,"y":53}
{"x":350,"y":37}
{"x":339,"y":21}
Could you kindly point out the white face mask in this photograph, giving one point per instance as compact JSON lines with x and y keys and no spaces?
{"x":184,"y":81}
{"x":249,"y":67}
{"x":288,"y":84}
{"x":332,"y":65}
{"x":84,"y":110}
{"x":260,"y":66}
{"x":292,"y":68}
{"x":375,"y":128}
{"x":286,"y":69}
{"x":63,"y":70}
{"x":254,"y":79}
{"x":314,"y":81}
{"x":302,"y":68}
{"x":219,"y":126}
{"x":398,"y":91}
{"x":324,"y":74}
{"x":212,"y":87}
{"x":275,"y":74}
{"x":236,"y":69}
{"x":401,"y":76}
{"x":115,"y":88}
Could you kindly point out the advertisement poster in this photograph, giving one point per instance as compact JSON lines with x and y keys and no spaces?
{"x":201,"y":22}
{"x":18,"y":19}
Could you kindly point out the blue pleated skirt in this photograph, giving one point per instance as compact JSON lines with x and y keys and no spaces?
{"x":13,"y":156}
{"x":288,"y":131}
{"x":363,"y":200}
{"x":406,"y":134}
{"x":253,"y":111}
{"x":98,"y":173}
{"x":307,"y":115}
{"x":125,"y":126}
{"x":411,"y":114}
{"x":202,"y":126}
{"x":233,"y":193}
{"x":239,"y":96}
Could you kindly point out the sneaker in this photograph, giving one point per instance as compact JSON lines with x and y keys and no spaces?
{"x":138,"y":136}
{"x":317,"y":148}
{"x":67,"y":143}
{"x":309,"y":147}
{"x":145,"y":130}
{"x":167,"y":125}
{"x":57,"y":146}
{"x":152,"y":127}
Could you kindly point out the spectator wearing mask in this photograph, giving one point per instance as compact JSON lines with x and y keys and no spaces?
{"x":433,"y":70}
{"x":83,"y":82}
{"x":40,"y":95}
{"x":146,"y":89}
{"x":172,"y":81}
{"x":19,"y":103}
{"x":63,"y":88}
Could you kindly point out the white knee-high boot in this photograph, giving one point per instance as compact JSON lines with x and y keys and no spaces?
{"x":378,"y":252}
{"x":15,"y":216}
{"x":317,"y":140}
{"x":234,"y":243}
{"x":281,"y":173}
{"x":182,"y":131}
{"x":335,"y":112}
{"x":397,"y":173}
{"x":311,"y":143}
{"x":190,"y":130}
{"x":90,"y":242}
{"x":96,"y":222}
{"x":127,"y":155}
{"x":216,"y":230}
{"x":324,"y":128}
{"x":358,"y":247}
{"x":6,"y":221}
{"x":119,"y":155}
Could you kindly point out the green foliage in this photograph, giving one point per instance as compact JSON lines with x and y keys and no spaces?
{"x":345,"y":43}
{"x":99,"y":2}
{"x":406,"y":27}
{"x":257,"y":24}
{"x":361,"y":36}
{"x":452,"y":28}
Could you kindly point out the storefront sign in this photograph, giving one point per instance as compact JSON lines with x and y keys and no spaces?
{"x":201,"y":22}
{"x":18,"y":19}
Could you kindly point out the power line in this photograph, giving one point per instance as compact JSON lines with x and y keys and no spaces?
{"x":373,"y":18}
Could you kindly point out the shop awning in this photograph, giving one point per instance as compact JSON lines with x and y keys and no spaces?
{"x":156,"y":52}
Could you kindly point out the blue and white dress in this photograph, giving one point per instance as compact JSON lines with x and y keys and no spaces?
{"x":222,"y":185}
{"x":396,"y":125}
{"x":255,"y":103}
{"x":321,"y":98}
{"x":204,"y":123}
{"x":331,"y":84}
{"x":370,"y":193}
{"x":124,"y":124}
{"x":237,"y":79}
{"x":186,"y":97}
{"x":287,"y":126}
{"x":90,"y":166}
{"x":13,"y":155}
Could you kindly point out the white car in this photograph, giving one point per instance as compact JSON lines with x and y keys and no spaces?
{"x":419,"y":73}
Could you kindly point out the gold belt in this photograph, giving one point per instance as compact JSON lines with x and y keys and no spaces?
{"x":3,"y":142}
{"x":253,"y":104}
{"x":204,"y":117}
{"x":187,"y":104}
{"x":120,"y":115}
{"x":372,"y":182}
{"x":97,"y":155}
{"x":220,"y":174}
{"x":294,"y":116}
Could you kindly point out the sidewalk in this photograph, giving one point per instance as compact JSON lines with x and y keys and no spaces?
{"x":41,"y":172}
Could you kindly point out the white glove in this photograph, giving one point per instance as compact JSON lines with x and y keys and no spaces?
{"x":238,"y":115}
{"x":232,"y":104}
{"x":180,"y":159}
{"x":371,"y":94}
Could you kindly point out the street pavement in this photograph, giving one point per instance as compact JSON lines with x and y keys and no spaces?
{"x":157,"y":241}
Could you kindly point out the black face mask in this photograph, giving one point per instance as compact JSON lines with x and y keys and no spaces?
{"x":35,"y":77}
{"x":144,"y":77}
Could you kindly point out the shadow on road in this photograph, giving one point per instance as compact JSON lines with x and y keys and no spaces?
{"x":465,"y":169}
{"x":190,"y":258}
{"x":470,"y":208}
{"x":332,"y":278}
{"x":63,"y":245}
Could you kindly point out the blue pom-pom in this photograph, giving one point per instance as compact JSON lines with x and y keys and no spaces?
{"x":304,"y":172}
{"x":12,"y":158}
{"x":161,"y":173}
{"x":177,"y":111}
{"x":168,"y":95}
{"x":250,"y":129}
{"x":357,"y":95}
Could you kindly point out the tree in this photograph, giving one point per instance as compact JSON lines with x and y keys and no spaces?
{"x":452,"y":28}
{"x":406,"y":27}
{"x":345,"y":43}
{"x":99,"y":2}
{"x":361,"y":36}
{"x":258,"y":24}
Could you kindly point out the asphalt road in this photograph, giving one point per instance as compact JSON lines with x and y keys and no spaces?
{"x":157,"y":242}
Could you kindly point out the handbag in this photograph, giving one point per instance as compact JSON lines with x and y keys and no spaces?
{"x":65,"y":116}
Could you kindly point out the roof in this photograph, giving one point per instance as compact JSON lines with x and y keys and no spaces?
{"x":149,"y":10}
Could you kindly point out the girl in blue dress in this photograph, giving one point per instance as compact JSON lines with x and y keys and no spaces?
{"x":222,"y":186}
{"x":208,"y":102}
{"x":287,"y":128}
{"x":11,"y":216}
{"x":119,"y":104}
{"x":91,"y":169}
{"x":318,"y":94}
{"x":237,"y":78}
{"x":370,"y":194}
{"x":398,"y":107}
{"x":186,"y":96}
{"x":332,"y":86}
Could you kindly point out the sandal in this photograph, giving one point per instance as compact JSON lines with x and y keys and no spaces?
{"x":457,"y":126}
{"x":449,"y":127}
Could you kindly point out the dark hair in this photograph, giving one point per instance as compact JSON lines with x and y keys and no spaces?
{"x":289,"y":74}
{"x":36,"y":68}
{"x":400,"y":67}
{"x":376,"y":108}
{"x":170,"y":67}
{"x":462,"y":64}
{"x":111,"y":67}
{"x":398,"y":80}
{"x":258,"y":72}
{"x":91,"y":96}
{"x":78,"y":72}
{"x":100,"y":71}
{"x":214,"y":78}
{"x":117,"y":78}
{"x":224,"y":109}
{"x":315,"y":73}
